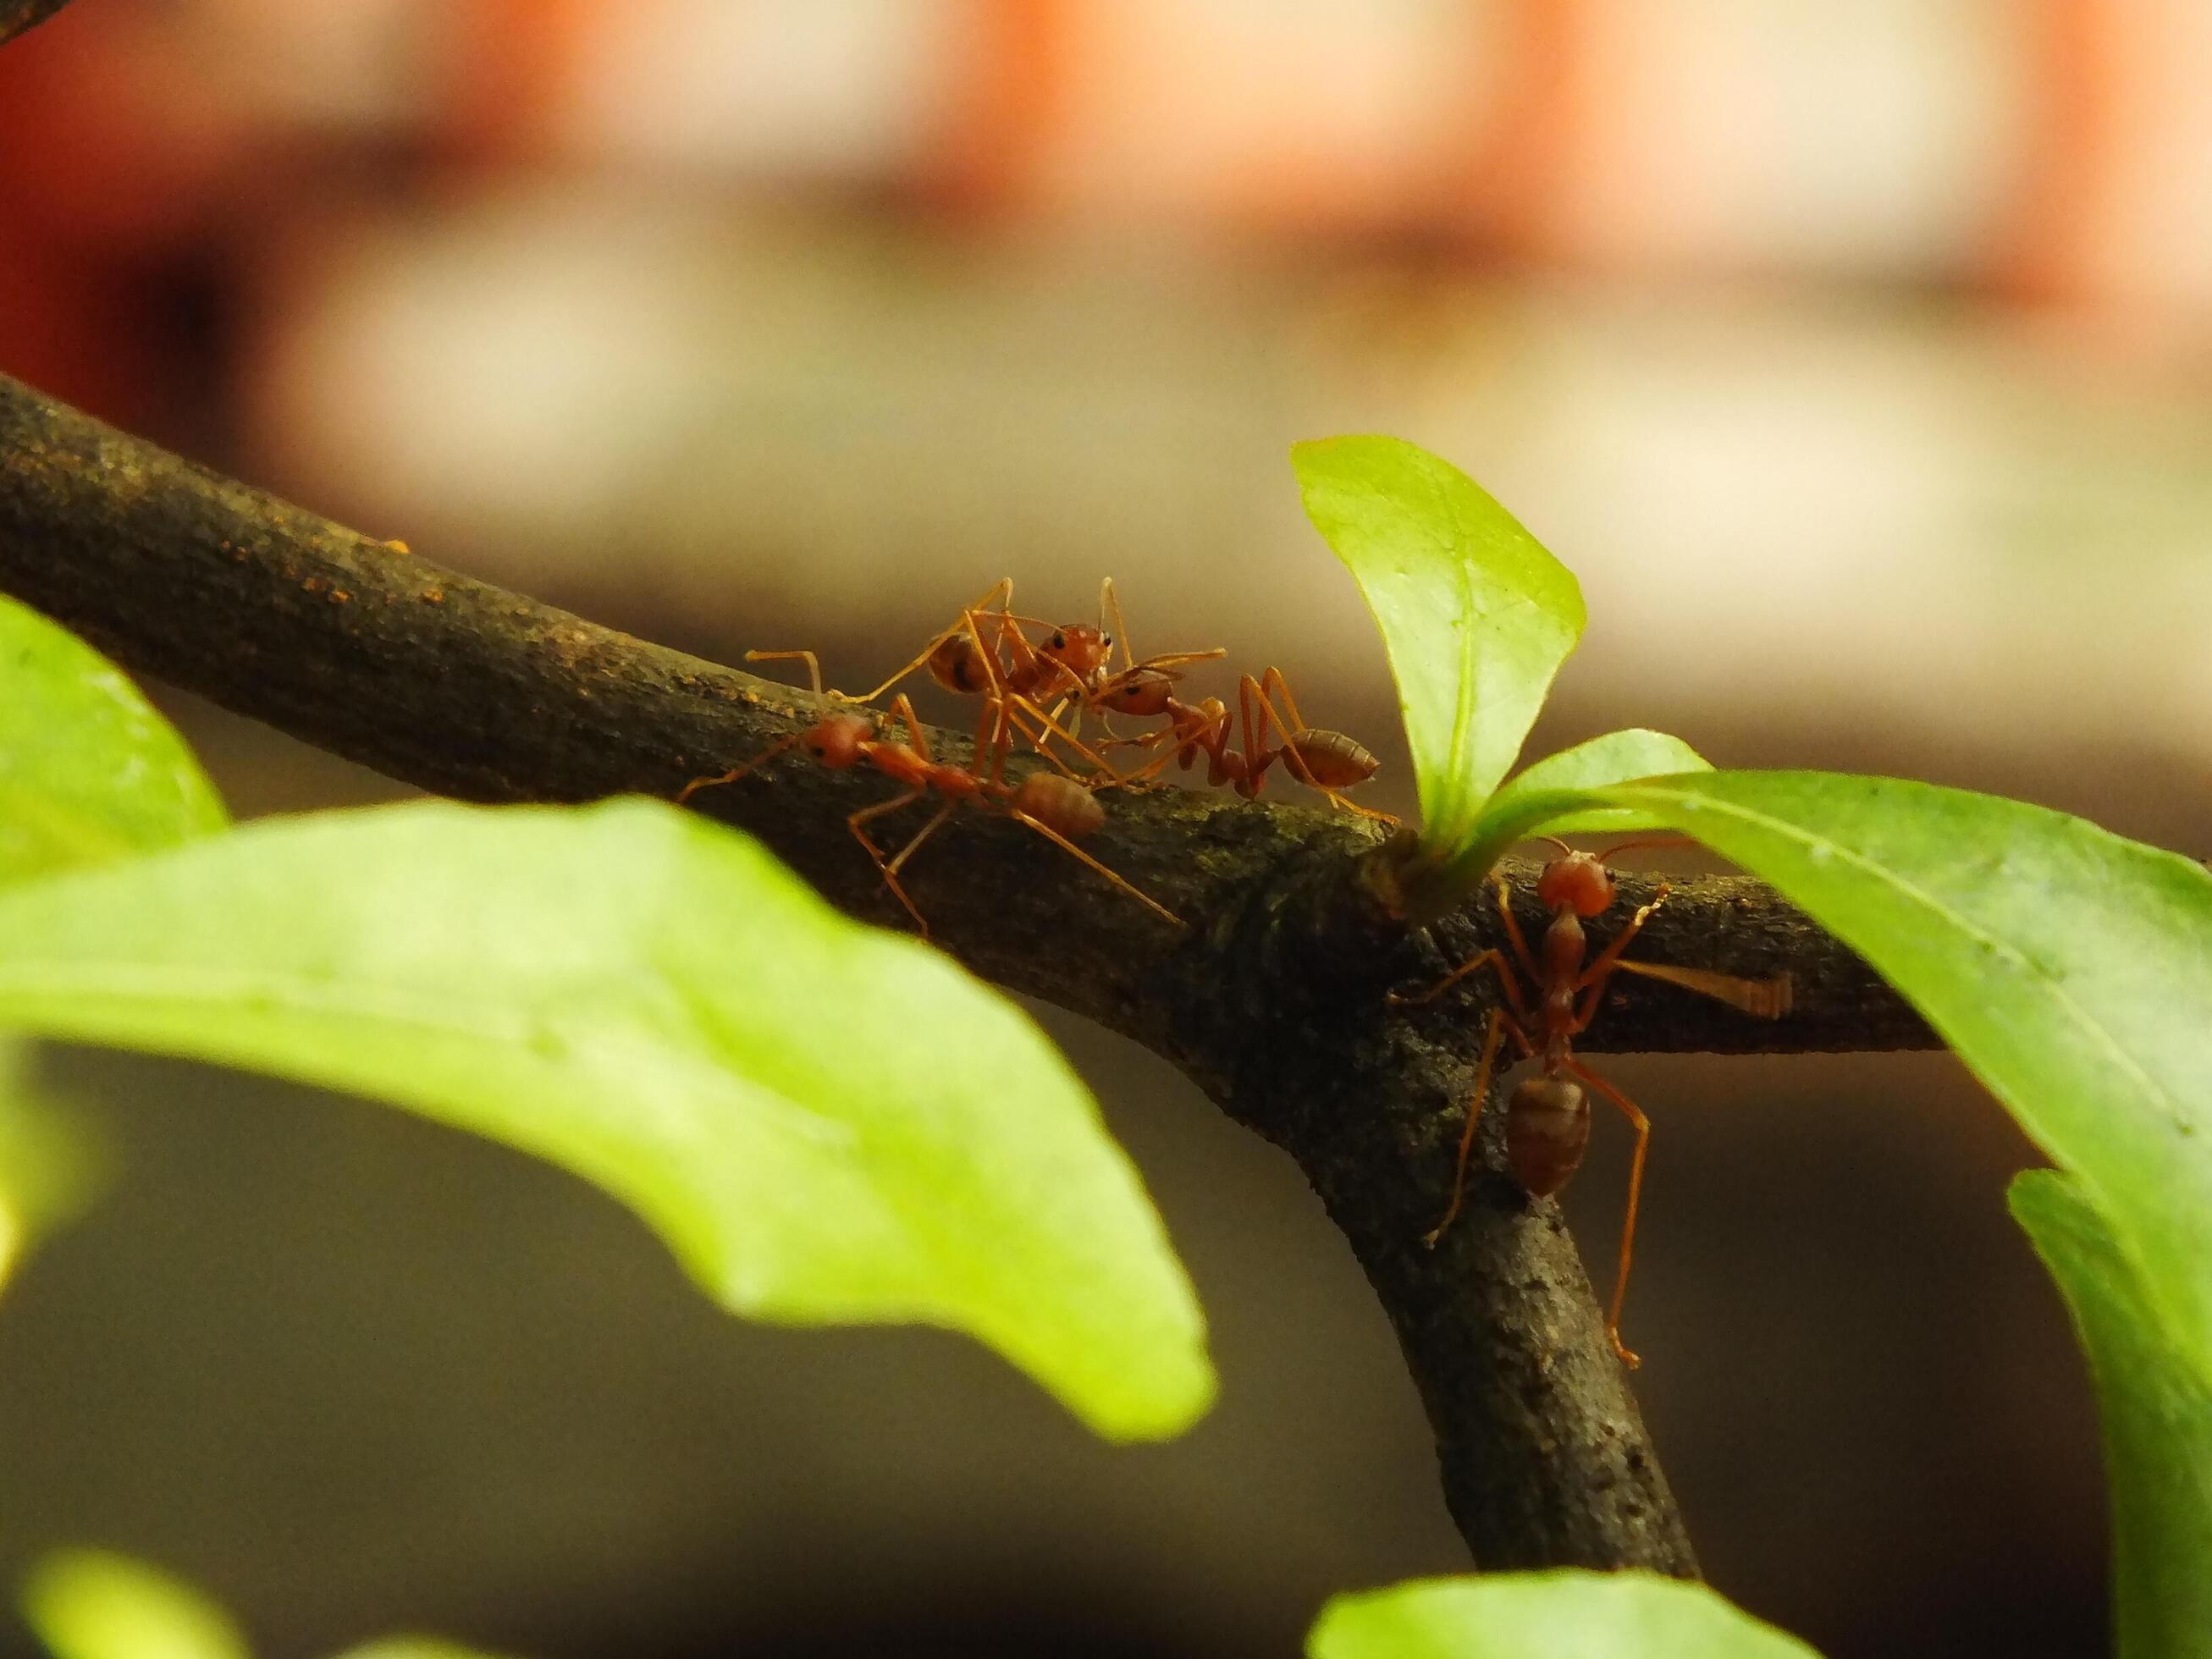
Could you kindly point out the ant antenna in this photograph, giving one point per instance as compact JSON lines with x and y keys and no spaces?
{"x":1642,"y":843}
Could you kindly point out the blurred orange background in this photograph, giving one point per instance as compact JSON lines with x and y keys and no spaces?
{"x":1857,"y":358}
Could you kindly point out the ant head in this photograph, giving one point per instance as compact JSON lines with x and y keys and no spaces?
{"x":1079,"y":649}
{"x":1578,"y":881}
{"x":836,"y":741}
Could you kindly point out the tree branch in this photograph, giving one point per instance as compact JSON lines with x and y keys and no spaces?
{"x":1273,"y":1000}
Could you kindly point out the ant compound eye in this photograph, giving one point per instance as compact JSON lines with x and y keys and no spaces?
{"x":1059,"y":641}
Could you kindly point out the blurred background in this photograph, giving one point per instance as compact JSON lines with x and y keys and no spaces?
{"x":1858,"y":356}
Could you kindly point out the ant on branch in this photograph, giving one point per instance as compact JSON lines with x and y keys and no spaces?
{"x":1057,"y":808}
{"x":984,"y":653}
{"x":1547,"y":1115}
{"x":1329,"y":762}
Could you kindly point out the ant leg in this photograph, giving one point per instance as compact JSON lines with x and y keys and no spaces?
{"x":903,"y":715}
{"x":735,"y":772}
{"x":1047,"y":721}
{"x":1642,"y":1127}
{"x":813,"y":664}
{"x":1762,"y":998}
{"x":1257,"y":756}
{"x":1474,"y":1102}
{"x":899,"y":857}
{"x":1273,"y":677}
{"x":1291,"y":729}
{"x":1592,"y":982}
{"x":1002,"y":591}
{"x":1062,"y":841}
{"x":854,"y":823}
{"x":1493,"y":958}
{"x":1513,"y":935}
{"x":1110,"y":600}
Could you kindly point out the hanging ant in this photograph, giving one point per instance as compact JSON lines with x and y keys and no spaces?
{"x":1547,"y":1115}
{"x":1057,"y":808}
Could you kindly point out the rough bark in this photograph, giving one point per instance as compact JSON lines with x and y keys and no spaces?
{"x":1272,"y":999}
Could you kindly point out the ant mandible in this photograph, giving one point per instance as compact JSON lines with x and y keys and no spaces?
{"x":1547,"y":1115}
{"x":1055,"y":807}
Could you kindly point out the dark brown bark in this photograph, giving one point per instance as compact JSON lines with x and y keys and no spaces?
{"x":1273,"y":999}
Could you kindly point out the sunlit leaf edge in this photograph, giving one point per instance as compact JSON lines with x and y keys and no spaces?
{"x":1149,"y":1393}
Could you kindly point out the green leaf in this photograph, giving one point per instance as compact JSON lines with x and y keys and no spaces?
{"x":88,"y":771}
{"x":1549,"y":798}
{"x":1567,"y":1615}
{"x":49,"y":1165}
{"x":826,"y":1123}
{"x":2070,"y":968}
{"x":414,"y":1647}
{"x":2157,"y":1415}
{"x":88,"y":1604}
{"x":1475,"y":614}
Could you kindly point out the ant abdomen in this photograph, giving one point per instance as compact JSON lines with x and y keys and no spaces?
{"x":1060,"y":803}
{"x":1335,"y":760}
{"x":1547,"y":1129}
{"x":957,"y":665}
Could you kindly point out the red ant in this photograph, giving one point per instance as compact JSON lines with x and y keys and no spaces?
{"x":1547,"y":1115}
{"x":1329,"y":762}
{"x":1057,"y":808}
{"x":985,"y":653}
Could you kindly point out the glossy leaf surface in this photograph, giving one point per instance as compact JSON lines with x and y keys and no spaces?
{"x":88,"y":771}
{"x":1475,"y":614}
{"x":2157,"y":1416}
{"x":1568,"y":1614}
{"x":1547,"y":798}
{"x":826,"y":1123}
